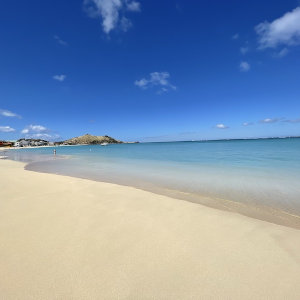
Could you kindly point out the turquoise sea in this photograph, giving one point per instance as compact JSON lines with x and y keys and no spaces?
{"x":260,"y":178}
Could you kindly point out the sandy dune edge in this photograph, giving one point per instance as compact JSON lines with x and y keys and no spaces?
{"x":68,"y":238}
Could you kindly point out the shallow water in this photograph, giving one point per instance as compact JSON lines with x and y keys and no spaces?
{"x":262,"y":174}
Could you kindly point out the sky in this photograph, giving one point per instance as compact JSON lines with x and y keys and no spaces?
{"x":144,"y":70}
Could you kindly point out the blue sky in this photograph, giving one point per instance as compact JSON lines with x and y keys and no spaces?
{"x":149,"y":70}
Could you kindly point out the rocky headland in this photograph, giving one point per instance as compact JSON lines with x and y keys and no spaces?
{"x":88,"y":139}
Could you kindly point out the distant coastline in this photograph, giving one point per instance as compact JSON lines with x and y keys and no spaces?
{"x":95,"y":140}
{"x":86,"y":139}
{"x":224,"y":140}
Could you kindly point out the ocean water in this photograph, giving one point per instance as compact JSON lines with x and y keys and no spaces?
{"x":260,"y":178}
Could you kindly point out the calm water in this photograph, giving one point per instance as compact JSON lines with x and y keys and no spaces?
{"x":260,"y":173}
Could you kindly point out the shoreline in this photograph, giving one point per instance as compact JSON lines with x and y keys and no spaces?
{"x":64,"y":237}
{"x":259,"y":212}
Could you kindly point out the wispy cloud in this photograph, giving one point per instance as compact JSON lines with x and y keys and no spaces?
{"x":284,"y":31}
{"x":273,"y":120}
{"x":60,"y":41}
{"x":159,"y":80}
{"x":292,"y":120}
{"x":269,"y":120}
{"x":133,"y":6}
{"x":112,"y":12}
{"x":221,"y":126}
{"x":34,"y":129}
{"x":6,"y":129}
{"x":248,"y":123}
{"x":43,"y":136}
{"x":7,"y":113}
{"x":60,"y":78}
{"x":235,"y":36}
{"x":244,"y":50}
{"x":39,"y":132}
{"x":244,"y":66}
{"x":283,"y":52}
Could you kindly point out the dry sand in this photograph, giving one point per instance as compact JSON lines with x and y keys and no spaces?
{"x":69,"y":238}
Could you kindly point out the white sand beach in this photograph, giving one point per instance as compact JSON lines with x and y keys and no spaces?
{"x":70,"y":238}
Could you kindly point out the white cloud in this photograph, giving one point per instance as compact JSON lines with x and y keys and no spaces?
{"x":7,"y":113}
{"x":235,"y":37}
{"x":133,"y":6}
{"x":6,"y":129}
{"x":112,"y":12}
{"x":43,"y":136}
{"x":34,"y":129}
{"x":221,"y":126}
{"x":156,"y":79}
{"x":60,"y":41}
{"x":282,"y":31}
{"x":247,"y":123}
{"x":244,"y":66}
{"x":125,"y":24}
{"x":269,"y":120}
{"x":244,"y":50}
{"x":142,"y":83}
{"x":39,"y":132}
{"x":60,"y":78}
{"x":283,"y":52}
